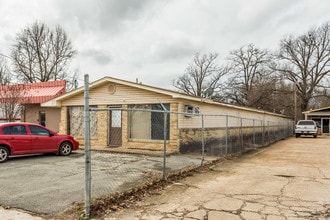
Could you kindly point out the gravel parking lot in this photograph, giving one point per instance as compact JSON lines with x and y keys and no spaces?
{"x":49,"y":184}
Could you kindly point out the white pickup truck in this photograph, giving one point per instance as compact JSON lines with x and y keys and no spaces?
{"x":306,"y":127}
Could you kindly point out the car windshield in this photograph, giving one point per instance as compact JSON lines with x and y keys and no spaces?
{"x":306,"y":123}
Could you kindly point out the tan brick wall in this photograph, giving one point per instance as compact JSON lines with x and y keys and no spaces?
{"x":174,"y":131}
{"x":63,"y":122}
{"x":124,"y":126}
{"x":101,"y":141}
{"x":102,"y":128}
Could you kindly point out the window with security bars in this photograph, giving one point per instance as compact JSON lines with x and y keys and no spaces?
{"x":76,"y":124}
{"x":147,"y":124}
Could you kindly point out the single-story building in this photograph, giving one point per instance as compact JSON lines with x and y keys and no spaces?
{"x":321,"y":116}
{"x":29,"y":96}
{"x":142,"y":129}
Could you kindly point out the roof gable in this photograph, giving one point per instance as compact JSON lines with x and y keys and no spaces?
{"x":107,"y":80}
{"x":56,"y":102}
{"x":324,"y":109}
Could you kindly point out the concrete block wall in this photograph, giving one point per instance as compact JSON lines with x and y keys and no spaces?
{"x":191,"y":139}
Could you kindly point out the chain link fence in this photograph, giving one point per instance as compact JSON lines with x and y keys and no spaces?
{"x":194,"y":137}
{"x":232,"y":134}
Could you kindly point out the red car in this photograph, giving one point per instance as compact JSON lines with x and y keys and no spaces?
{"x":19,"y":138}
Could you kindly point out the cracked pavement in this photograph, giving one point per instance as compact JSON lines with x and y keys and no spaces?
{"x":48,"y":184}
{"x":287,"y":180}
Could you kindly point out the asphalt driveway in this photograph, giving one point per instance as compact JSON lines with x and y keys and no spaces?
{"x":49,"y":184}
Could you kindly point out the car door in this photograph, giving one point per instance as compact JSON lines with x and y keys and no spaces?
{"x":17,"y":138}
{"x":42,"y":140}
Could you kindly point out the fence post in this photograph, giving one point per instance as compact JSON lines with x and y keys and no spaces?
{"x":274,"y":131}
{"x":268,"y":132}
{"x":203,"y":141}
{"x":87,"y":150}
{"x":241,"y":134}
{"x":227,"y":134}
{"x":165,"y":138}
{"x":254,"y":135}
{"x":263,"y":132}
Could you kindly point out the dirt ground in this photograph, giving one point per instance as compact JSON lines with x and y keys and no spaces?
{"x":287,"y":180}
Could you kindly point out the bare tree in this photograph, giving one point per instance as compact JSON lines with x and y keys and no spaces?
{"x":305,"y":61}
{"x":10,"y":98}
{"x":10,"y":95}
{"x":41,"y":54}
{"x":283,"y":99}
{"x":4,"y":72}
{"x":251,"y":82}
{"x":202,"y":77}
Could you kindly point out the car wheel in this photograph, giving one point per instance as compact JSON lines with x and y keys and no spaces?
{"x":315,"y":135}
{"x":297,"y":135}
{"x":65,"y":149}
{"x":4,"y":154}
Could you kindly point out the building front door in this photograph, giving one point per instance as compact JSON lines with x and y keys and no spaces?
{"x":42,"y":118}
{"x":115,"y":128}
{"x":325,"y":126}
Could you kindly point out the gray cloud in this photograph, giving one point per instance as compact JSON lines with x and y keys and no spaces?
{"x":172,"y":50}
{"x":157,"y":39}
{"x":99,"y":57}
{"x":103,"y":16}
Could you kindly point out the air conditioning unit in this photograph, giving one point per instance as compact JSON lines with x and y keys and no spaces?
{"x":191,"y":110}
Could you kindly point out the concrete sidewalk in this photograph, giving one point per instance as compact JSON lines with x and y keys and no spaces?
{"x":288,"y":180}
{"x":13,"y":214}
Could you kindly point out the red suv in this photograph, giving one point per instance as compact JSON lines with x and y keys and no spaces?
{"x":19,"y":138}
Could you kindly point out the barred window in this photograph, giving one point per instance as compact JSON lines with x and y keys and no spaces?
{"x":146,"y":124}
{"x":76,"y":124}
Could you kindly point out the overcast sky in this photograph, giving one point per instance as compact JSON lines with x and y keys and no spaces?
{"x":155,"y":40}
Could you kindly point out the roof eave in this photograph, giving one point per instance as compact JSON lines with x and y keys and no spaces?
{"x":53,"y":103}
